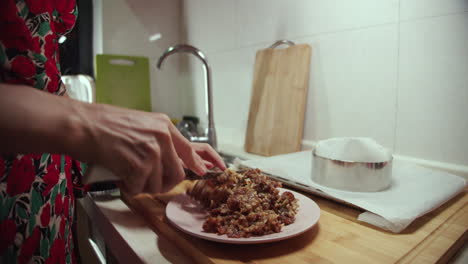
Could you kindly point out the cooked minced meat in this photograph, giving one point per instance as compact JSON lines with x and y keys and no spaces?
{"x":244,"y":204}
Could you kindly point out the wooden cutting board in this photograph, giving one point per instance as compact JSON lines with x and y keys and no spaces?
{"x":279,"y":94}
{"x":123,"y":81}
{"x":337,"y":238}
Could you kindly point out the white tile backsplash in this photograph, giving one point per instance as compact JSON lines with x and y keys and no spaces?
{"x":270,"y":20}
{"x":232,"y":83}
{"x":209,"y":24}
{"x":194,"y":94}
{"x":166,"y":83}
{"x":412,"y":9}
{"x":122,"y":32}
{"x":346,"y":71}
{"x":433,"y":89}
{"x":232,"y":73}
{"x":126,"y":28}
{"x":352,"y":84}
{"x":394,"y":70}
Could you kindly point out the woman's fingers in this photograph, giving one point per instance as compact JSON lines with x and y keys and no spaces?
{"x":173,"y":167}
{"x":154,"y":182}
{"x":183,"y":164}
{"x":133,"y":172}
{"x":186,"y":152}
{"x":208,"y":164}
{"x":208,"y":153}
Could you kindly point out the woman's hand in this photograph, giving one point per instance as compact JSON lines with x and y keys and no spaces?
{"x":210,"y":157}
{"x":144,"y":149}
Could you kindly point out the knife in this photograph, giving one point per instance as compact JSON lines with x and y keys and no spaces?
{"x":97,"y":173}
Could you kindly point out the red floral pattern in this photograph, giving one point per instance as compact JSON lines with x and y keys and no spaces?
{"x":54,"y":76}
{"x":8,"y":12}
{"x":51,"y":178}
{"x":50,"y":46}
{"x":62,"y":228}
{"x":15,"y":33}
{"x":21,"y":176}
{"x":8,"y":231}
{"x":36,"y":190}
{"x":58,"y":204}
{"x":45,"y":215}
{"x":23,"y":66}
{"x":66,"y":206}
{"x":57,"y":252}
{"x":29,"y":246}
{"x":2,"y":168}
{"x":39,"y":6}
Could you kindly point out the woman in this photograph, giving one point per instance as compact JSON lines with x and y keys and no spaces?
{"x":53,"y":132}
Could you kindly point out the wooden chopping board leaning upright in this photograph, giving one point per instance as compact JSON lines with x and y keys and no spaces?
{"x":277,"y":106}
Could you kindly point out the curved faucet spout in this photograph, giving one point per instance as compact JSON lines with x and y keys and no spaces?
{"x":211,"y":132}
{"x":182,"y":48}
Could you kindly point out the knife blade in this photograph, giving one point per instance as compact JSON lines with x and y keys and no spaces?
{"x":97,"y":173}
{"x":210,"y":174}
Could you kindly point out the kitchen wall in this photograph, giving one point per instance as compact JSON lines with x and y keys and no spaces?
{"x":127,"y":26}
{"x":396,"y":71}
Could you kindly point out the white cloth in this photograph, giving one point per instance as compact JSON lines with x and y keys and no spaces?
{"x":414,"y":191}
{"x":79,"y":87}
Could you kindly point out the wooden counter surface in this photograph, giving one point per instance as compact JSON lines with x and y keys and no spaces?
{"x":337,"y":238}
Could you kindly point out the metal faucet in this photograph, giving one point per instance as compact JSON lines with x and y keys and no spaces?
{"x":210,"y":133}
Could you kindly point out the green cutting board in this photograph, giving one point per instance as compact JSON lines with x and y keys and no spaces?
{"x":123,"y":81}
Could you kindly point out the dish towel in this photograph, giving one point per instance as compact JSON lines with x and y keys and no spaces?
{"x":80,"y":87}
{"x":414,"y":191}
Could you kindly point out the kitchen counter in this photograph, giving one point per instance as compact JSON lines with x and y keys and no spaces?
{"x":126,"y":235}
{"x":129,"y":238}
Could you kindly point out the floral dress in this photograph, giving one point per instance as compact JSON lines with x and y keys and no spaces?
{"x":36,"y":190}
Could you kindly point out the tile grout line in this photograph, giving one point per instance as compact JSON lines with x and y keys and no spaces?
{"x":324,"y":33}
{"x":321,"y":33}
{"x":431,"y":16}
{"x":397,"y":81}
{"x":237,"y":23}
{"x":351,"y":29}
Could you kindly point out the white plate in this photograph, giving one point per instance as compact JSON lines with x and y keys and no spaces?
{"x":187,"y":215}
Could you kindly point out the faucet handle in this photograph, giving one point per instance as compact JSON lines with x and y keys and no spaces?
{"x":192,"y":119}
{"x":188,"y":127}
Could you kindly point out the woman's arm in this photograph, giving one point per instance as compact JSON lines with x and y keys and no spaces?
{"x":144,"y":149}
{"x":33,"y":121}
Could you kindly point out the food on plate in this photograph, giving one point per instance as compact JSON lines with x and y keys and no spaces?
{"x":244,"y":203}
